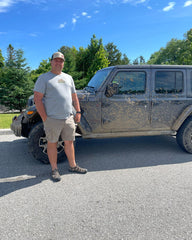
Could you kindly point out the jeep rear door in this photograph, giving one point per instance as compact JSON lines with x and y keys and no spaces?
{"x":168,"y":97}
{"x":129,"y":108}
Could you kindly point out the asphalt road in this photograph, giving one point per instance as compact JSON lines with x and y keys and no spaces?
{"x":136,"y":189}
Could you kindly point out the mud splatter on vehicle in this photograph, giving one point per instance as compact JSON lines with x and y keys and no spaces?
{"x":123,"y":101}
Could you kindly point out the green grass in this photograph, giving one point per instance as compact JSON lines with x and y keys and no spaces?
{"x":6,"y":119}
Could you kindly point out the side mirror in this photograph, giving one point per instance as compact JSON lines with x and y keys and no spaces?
{"x":111,"y":89}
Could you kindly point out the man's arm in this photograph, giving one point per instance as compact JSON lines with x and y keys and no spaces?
{"x":38,"y":99}
{"x":76,"y":106}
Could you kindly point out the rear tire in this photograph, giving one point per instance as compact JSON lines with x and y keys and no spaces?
{"x":184,"y":135}
{"x":37,"y":144}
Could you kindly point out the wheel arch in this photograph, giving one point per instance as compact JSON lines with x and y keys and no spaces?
{"x":182,"y":118}
{"x":36,"y":135}
{"x":83,"y":127}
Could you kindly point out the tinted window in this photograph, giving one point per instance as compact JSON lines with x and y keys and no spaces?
{"x":98,"y":78}
{"x":168,"y":82}
{"x":191,"y":80}
{"x":131,"y":82}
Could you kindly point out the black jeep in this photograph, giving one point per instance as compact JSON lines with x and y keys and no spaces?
{"x":123,"y":101}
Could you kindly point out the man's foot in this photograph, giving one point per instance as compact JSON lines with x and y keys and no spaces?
{"x":55,"y":175}
{"x":78,"y":169}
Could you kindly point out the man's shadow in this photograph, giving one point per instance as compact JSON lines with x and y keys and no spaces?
{"x":18,"y":169}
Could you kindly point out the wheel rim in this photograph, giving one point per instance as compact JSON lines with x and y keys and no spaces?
{"x":43,"y":145}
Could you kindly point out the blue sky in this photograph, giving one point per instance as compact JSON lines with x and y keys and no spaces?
{"x":136,"y":27}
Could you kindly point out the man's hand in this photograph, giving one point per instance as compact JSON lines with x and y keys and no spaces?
{"x":78,"y":117}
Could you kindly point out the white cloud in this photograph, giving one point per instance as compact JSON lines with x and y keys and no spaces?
{"x":74,"y":20}
{"x":169,"y":7}
{"x":75,"y":16}
{"x":85,"y":14}
{"x":141,"y":1}
{"x":5,"y":4}
{"x":62,"y":25}
{"x":133,"y":1}
{"x":33,"y":34}
{"x":113,"y":1}
{"x":126,"y":1}
{"x":187,"y":3}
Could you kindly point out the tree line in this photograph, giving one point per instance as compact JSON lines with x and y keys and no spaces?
{"x":17,"y":79}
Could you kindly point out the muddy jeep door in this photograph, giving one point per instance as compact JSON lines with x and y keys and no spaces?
{"x":129,"y":108}
{"x":168,"y":97}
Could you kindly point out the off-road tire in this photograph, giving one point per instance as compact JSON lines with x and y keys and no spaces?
{"x":36,"y":139}
{"x":184,"y":135}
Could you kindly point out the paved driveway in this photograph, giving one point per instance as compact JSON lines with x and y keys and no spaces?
{"x":136,"y":189}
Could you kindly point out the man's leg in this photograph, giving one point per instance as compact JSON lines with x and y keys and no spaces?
{"x":70,"y":152}
{"x":52,"y":154}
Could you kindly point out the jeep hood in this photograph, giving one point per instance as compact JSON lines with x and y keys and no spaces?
{"x":83,"y":95}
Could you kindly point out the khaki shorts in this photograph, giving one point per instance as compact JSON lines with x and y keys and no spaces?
{"x":56,"y":127}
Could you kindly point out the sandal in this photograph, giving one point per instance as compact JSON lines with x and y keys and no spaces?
{"x":78,"y":169}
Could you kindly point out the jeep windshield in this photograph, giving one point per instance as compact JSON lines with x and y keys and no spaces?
{"x":98,"y":79}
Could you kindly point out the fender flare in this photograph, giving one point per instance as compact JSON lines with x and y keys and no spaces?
{"x":84,"y":126}
{"x":180,"y":120}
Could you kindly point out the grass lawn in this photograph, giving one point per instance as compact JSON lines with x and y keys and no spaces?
{"x":6,"y":119}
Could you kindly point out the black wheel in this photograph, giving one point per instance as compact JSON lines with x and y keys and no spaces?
{"x":184,"y":135}
{"x":37,"y":144}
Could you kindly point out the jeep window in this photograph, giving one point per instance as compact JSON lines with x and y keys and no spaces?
{"x":168,"y":82}
{"x":131,"y":82}
{"x":191,"y":80}
{"x":97,"y":80}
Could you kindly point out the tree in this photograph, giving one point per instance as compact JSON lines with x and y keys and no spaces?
{"x":125,"y":60}
{"x":91,"y":51}
{"x":10,"y":56}
{"x":44,"y":66}
{"x":186,"y":48}
{"x":16,"y":85}
{"x":100,"y":61}
{"x":80,"y":59}
{"x":139,"y":61}
{"x":1,"y":65}
{"x":72,"y":65}
{"x":70,"y":59}
{"x":136,"y":62}
{"x":1,"y":60}
{"x":176,"y":52}
{"x":115,"y":56}
{"x":89,"y":60}
{"x":20,"y":61}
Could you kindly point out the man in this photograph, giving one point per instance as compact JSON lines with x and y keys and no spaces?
{"x":54,"y":95}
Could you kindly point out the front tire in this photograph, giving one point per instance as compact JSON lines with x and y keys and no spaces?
{"x":37,"y":144}
{"x":184,"y":135}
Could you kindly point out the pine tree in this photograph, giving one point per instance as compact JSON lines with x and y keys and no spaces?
{"x":16,"y":85}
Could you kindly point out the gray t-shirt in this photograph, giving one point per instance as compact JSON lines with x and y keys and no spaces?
{"x":57,"y":90}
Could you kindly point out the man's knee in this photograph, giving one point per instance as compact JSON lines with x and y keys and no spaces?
{"x":68,"y":143}
{"x":51,"y":145}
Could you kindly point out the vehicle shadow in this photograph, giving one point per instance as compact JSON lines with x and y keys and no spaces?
{"x":132,"y":152}
{"x":18,"y":169}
